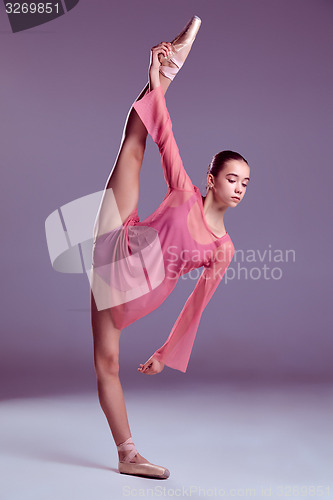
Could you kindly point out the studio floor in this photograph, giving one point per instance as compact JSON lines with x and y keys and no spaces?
{"x":230,"y":440}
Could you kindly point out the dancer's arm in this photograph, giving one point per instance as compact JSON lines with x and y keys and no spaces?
{"x":154,"y":114}
{"x":176,"y":351}
{"x":155,"y":117}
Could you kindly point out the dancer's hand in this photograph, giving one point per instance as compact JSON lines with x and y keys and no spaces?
{"x":151,"y":367}
{"x":161,"y":50}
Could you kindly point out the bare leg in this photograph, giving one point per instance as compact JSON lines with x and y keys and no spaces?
{"x":124,"y":177}
{"x":124,"y":180}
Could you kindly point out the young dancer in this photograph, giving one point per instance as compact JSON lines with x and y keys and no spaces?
{"x":136,"y":264}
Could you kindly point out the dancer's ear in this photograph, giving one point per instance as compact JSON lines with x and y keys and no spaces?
{"x":210,"y":180}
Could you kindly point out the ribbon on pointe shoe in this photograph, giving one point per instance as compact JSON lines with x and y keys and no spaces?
{"x":128,"y":445}
{"x":169,"y":71}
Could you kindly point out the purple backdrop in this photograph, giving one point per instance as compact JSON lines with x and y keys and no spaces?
{"x":258,"y":81}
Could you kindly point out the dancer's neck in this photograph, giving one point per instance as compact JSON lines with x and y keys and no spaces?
{"x":213,"y":214}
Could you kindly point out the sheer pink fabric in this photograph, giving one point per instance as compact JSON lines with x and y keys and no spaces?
{"x":153,"y":253}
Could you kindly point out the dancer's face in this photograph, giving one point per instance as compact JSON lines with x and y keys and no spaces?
{"x":231,"y":182}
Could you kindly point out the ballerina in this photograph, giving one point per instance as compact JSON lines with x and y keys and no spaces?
{"x":136,"y":264}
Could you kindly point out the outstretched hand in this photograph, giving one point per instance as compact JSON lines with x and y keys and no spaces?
{"x":151,"y":367}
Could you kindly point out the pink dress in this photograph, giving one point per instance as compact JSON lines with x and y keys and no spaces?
{"x":153,"y":253}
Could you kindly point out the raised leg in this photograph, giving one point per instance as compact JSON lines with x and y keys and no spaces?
{"x":124,"y":176}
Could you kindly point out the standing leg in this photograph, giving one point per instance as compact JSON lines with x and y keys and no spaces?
{"x":111,"y":397}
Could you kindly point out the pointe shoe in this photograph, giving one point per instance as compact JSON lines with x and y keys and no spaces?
{"x":135,"y":469}
{"x":146,"y":470}
{"x":181,"y":46}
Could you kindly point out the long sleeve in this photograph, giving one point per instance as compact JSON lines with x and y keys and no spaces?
{"x":154,"y":114}
{"x":176,"y":351}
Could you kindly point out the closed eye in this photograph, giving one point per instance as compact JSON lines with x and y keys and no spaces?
{"x":230,"y":180}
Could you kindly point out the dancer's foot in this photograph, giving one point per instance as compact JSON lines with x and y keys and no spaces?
{"x":131,"y":462}
{"x":181,"y":46}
